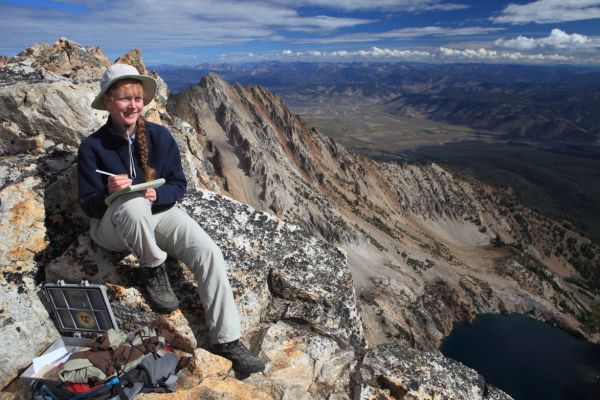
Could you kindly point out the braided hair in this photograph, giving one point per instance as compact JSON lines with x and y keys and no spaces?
{"x":142,"y":145}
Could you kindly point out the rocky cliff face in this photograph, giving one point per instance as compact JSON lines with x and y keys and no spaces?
{"x":294,"y":292}
{"x":425,"y":248}
{"x":403,"y":257}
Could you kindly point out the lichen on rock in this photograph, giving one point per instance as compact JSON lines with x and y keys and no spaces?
{"x":404,"y":373}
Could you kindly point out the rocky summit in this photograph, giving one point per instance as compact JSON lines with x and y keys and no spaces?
{"x":347,"y":272}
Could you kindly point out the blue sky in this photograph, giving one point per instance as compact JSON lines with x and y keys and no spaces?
{"x":192,"y":32}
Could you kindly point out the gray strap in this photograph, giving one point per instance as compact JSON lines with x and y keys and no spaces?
{"x":130,"y":391}
{"x":159,"y":368}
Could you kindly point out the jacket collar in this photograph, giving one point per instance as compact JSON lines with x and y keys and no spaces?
{"x":113,"y":134}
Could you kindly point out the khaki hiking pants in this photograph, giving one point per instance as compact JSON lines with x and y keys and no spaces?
{"x":129,"y":225}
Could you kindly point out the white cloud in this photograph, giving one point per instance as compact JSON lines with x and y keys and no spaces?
{"x":373,"y":52}
{"x":442,"y":54}
{"x":319,"y":23}
{"x":384,"y":5}
{"x":549,"y":11}
{"x":341,"y":53}
{"x":181,"y":26}
{"x":160,"y":24}
{"x":404,"y":33}
{"x":482,"y":54}
{"x":394,"y":53}
{"x":557,"y":39}
{"x":437,"y":31}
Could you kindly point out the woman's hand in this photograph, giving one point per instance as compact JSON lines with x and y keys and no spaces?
{"x":150,"y":195}
{"x":118,"y":182}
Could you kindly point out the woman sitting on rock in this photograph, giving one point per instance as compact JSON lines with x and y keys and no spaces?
{"x":148,"y":223}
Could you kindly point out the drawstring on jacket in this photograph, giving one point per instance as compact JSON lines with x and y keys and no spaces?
{"x":132,"y":173}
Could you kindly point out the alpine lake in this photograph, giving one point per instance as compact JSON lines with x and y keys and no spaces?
{"x":526,"y":358}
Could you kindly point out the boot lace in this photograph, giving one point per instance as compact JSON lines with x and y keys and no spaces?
{"x":160,"y":280}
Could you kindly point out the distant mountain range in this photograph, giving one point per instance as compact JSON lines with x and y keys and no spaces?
{"x":382,"y":111}
{"x":529,"y":103}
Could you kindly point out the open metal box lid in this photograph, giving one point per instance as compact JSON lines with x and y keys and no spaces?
{"x":80,"y":308}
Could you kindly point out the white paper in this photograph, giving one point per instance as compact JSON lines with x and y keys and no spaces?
{"x":49,"y":358}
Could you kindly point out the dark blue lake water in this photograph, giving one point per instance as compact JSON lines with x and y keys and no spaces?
{"x":528,"y":359}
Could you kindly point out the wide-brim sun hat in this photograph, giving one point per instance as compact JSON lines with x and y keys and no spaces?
{"x":117,"y":72}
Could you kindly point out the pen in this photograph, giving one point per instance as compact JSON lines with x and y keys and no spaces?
{"x":105,"y":173}
{"x":55,"y":362}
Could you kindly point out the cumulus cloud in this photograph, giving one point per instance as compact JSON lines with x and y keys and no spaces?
{"x":557,"y":39}
{"x":373,"y":52}
{"x":482,"y":54}
{"x":385,"y":53}
{"x":549,"y":11}
{"x":442,"y":54}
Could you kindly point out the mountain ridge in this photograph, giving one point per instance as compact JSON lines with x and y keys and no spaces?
{"x":379,"y":209}
{"x":541,"y":99}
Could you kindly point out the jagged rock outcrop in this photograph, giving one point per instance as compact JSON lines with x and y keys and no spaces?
{"x":35,"y":208}
{"x":398,"y":372}
{"x":67,"y":58}
{"x":294,"y":292}
{"x":278,"y":272}
{"x":43,"y":88}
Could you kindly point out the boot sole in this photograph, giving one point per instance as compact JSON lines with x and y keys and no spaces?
{"x":249,"y":371}
{"x":163,"y":309}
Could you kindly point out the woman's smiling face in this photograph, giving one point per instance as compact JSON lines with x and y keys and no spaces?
{"x":125,"y":101}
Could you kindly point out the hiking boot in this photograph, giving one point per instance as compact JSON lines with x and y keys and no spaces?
{"x":243,"y":361}
{"x":160,"y":295}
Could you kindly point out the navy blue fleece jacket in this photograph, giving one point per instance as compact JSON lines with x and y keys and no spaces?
{"x":107,"y":151}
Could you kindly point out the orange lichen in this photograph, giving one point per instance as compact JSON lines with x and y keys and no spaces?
{"x":24,"y":211}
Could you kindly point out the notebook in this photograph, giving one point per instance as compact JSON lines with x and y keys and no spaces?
{"x":135,"y":188}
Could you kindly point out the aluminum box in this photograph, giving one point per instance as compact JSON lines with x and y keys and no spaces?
{"x":81,"y":312}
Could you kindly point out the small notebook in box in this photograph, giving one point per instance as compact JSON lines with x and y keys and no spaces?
{"x":81,"y":311}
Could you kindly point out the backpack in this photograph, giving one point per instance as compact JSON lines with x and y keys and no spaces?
{"x":152,"y":374}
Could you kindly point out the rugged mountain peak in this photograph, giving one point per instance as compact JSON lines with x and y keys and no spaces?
{"x":212,"y":79}
{"x":45,"y":93}
{"x":67,"y":58}
{"x":133,"y":57}
{"x":304,"y":177}
{"x":405,"y":227}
